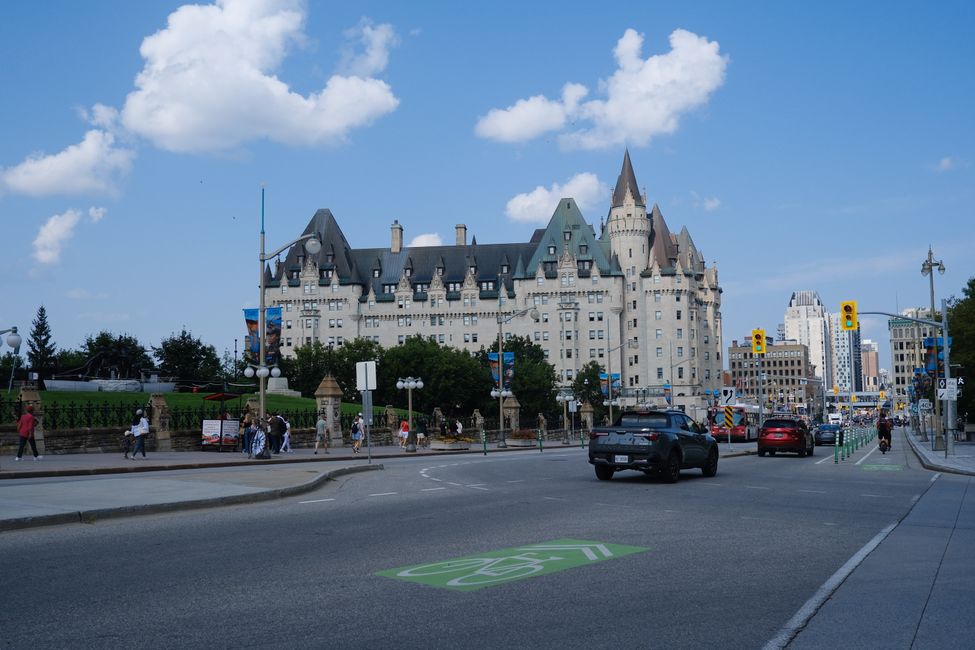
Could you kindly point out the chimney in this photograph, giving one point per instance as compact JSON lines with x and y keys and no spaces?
{"x":461,"y":231}
{"x":397,"y":239}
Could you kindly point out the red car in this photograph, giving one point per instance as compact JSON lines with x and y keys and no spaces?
{"x":785,"y":434}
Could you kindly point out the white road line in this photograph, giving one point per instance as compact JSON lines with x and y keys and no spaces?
{"x":455,"y":484}
{"x":815,"y":491}
{"x":474,"y":487}
{"x":317,"y":501}
{"x":799,"y":620}
{"x":876,"y":496}
{"x":382,"y":494}
{"x":757,"y":487}
{"x":820,"y":462}
{"x":713,"y":484}
{"x":432,"y":489}
{"x":434,"y":479}
{"x":521,"y":480}
{"x":554,"y":498}
{"x":830,"y":523}
{"x":935,"y":477}
{"x":866,"y":456}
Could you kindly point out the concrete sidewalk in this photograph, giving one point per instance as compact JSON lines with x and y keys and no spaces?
{"x":962,"y":461}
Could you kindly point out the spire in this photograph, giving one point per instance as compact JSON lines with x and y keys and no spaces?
{"x":627,"y":181}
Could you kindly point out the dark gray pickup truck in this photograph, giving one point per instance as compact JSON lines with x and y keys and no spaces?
{"x":663,"y":442}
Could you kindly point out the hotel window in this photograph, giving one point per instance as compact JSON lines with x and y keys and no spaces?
{"x":658,"y":315}
{"x":583,"y":249}
{"x":660,"y":352}
{"x":678,"y":314}
{"x":659,"y":334}
{"x":680,"y":332}
{"x":551,"y":250}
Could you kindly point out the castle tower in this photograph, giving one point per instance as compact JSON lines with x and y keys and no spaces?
{"x":630,"y":232}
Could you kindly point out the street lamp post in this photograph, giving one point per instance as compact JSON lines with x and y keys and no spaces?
{"x":409,"y":383}
{"x":13,"y":340}
{"x":500,"y":392}
{"x":564,"y":399}
{"x":312,"y":246}
{"x":927,"y":268}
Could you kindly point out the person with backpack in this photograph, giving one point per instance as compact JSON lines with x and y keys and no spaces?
{"x":884,"y":428}
{"x":357,"y":433}
{"x":140,"y":429}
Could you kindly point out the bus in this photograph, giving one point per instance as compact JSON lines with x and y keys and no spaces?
{"x":745,"y":422}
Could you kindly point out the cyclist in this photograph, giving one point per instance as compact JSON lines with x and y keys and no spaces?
{"x":884,"y":428}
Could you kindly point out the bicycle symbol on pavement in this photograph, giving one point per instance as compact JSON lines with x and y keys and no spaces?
{"x":507,"y":565}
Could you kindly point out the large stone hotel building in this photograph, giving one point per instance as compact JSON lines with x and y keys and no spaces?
{"x":633,"y":290}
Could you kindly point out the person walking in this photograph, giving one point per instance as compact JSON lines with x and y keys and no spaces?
{"x":286,"y":444}
{"x":25,"y":429}
{"x":321,"y":433}
{"x":140,"y":429}
{"x":404,"y":433}
{"x":357,"y":433}
{"x":275,"y":426}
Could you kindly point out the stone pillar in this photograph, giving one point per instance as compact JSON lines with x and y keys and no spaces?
{"x":160,"y":423}
{"x":478,"y":420}
{"x":438,"y":417}
{"x":328,"y":397}
{"x":512,"y":412}
{"x":586,"y":415}
{"x":30,"y":396}
{"x":543,"y":425}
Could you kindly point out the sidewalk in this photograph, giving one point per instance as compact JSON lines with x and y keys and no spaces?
{"x":962,"y":461}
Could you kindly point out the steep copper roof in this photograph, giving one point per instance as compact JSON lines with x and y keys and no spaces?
{"x":626,"y":181}
{"x":664,"y":249}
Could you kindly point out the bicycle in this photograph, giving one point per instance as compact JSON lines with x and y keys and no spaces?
{"x":486,"y":569}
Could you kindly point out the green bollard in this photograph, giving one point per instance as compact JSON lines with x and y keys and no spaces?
{"x":484,"y":441}
{"x":836,"y":451}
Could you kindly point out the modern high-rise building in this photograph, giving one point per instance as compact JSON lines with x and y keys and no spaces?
{"x":632,"y":295}
{"x":847,"y":362}
{"x":808,"y":322}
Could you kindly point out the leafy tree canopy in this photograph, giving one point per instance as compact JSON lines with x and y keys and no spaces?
{"x":187,"y":358}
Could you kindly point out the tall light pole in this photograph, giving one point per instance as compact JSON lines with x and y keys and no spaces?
{"x":500,"y":392}
{"x":410,"y":383}
{"x":927,"y":268}
{"x":13,"y":340}
{"x":564,"y":398}
{"x":312,"y":246}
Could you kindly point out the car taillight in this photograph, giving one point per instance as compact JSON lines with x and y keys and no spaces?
{"x":594,"y":434}
{"x":652,"y":436}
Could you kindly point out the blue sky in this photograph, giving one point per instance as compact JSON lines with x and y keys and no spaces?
{"x":817,"y":146}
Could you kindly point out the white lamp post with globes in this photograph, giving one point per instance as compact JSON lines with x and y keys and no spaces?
{"x":312,"y":246}
{"x":410,"y":383}
{"x":13,"y":340}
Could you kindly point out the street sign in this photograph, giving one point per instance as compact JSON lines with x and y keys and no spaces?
{"x":924,"y":404}
{"x":948,"y":389}
{"x":729,"y":417}
{"x":727,"y":396}
{"x":365,"y":375}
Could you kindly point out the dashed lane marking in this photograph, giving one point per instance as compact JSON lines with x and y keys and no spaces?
{"x":317,"y":501}
{"x":383,"y":494}
{"x":432,"y":489}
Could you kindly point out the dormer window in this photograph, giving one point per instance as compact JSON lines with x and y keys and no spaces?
{"x":440,"y":270}
{"x":408,"y":272}
{"x":504,"y":268}
{"x":473,"y":270}
{"x":301,"y":260}
{"x":375,"y":273}
{"x":330,"y":258}
{"x":567,"y":235}
{"x":583,"y":249}
{"x":551,"y":250}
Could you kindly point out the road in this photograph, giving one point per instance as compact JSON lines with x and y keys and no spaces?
{"x":723,"y":562}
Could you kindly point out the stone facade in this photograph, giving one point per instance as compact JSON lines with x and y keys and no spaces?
{"x":632,"y":290}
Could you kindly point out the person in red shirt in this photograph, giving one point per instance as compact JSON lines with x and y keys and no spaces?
{"x":25,"y":429}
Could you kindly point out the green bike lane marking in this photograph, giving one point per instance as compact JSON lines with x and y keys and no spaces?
{"x":473,"y":572}
{"x":882,"y":468}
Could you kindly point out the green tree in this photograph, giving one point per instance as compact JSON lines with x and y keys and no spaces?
{"x":586,"y":388}
{"x":70,"y":364}
{"x":961,"y":323}
{"x":122,"y":353}
{"x":341,"y":363}
{"x":534,"y":381}
{"x":309,"y":366}
{"x":41,"y":353}
{"x":188,"y":358}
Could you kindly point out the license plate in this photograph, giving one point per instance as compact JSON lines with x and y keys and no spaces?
{"x":621,"y":459}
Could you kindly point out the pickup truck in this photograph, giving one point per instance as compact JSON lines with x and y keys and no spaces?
{"x":652,"y":441}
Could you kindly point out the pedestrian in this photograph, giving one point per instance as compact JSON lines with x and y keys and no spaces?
{"x":25,"y":429}
{"x":321,"y":433}
{"x":275,"y":428}
{"x":443,"y":428}
{"x":459,"y":427}
{"x":421,"y":433}
{"x":404,"y":433}
{"x":286,"y":444}
{"x":246,"y":433}
{"x":357,"y":433}
{"x":140,"y":430}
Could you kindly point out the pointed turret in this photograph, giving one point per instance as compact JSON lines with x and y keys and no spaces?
{"x":626,"y":183}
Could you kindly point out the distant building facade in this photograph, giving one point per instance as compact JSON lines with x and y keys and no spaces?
{"x":907,"y":349}
{"x":786,"y":370}
{"x":847,"y":361}
{"x":632,"y":290}
{"x":808,"y":322}
{"x":870,"y":363}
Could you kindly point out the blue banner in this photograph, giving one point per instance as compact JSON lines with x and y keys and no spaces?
{"x":509,"y":367}
{"x":272,"y":329}
{"x":603,"y":386}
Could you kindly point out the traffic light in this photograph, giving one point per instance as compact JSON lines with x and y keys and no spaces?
{"x":848,"y":315}
{"x":758,"y":341}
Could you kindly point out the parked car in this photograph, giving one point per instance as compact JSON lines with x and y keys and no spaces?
{"x":663,"y":442}
{"x":785,"y":434}
{"x":827,"y":434}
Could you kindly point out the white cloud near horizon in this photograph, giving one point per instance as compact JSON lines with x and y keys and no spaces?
{"x":376,"y":41}
{"x":707,"y":203}
{"x":93,"y":166}
{"x":426,"y":239}
{"x":644,"y":97}
{"x":950,"y":164}
{"x":209,"y":81}
{"x":538,"y":205}
{"x":57,"y":231}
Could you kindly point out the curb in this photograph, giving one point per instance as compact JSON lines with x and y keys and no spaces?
{"x":935,"y":467}
{"x":91,"y":516}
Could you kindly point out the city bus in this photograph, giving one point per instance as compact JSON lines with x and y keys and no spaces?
{"x":745,"y":422}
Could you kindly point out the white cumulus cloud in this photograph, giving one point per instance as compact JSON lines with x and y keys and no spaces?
{"x":57,"y":231}
{"x":538,"y":205}
{"x":209,"y":81}
{"x":376,"y":41}
{"x":644,"y":97}
{"x":93,"y":166}
{"x":426,"y":239}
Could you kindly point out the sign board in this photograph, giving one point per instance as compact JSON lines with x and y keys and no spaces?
{"x":924,"y":404}
{"x":365,"y":375}
{"x":948,"y":389}
{"x":728,"y":396}
{"x":729,"y":417}
{"x":222,"y":433}
{"x":573,"y":406}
